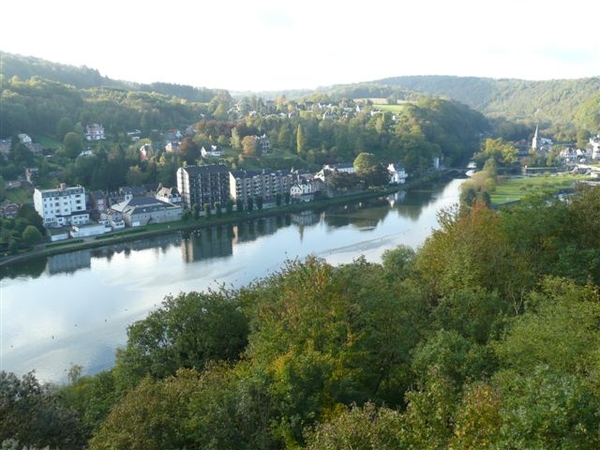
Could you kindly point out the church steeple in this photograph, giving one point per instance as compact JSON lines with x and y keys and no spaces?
{"x":535,"y":143}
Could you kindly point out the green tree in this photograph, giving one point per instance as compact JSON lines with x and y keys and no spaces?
{"x":358,"y":428}
{"x":207,"y":210}
{"x":398,"y":262}
{"x":557,"y":330}
{"x":428,"y":419}
{"x":32,"y":415}
{"x":31,"y":235}
{"x":135,"y":176}
{"x":191,"y":409}
{"x":504,"y":153}
{"x":300,"y":140}
{"x":31,"y":216}
{"x":229,"y":206}
{"x":364,"y":162}
{"x":478,"y":420}
{"x":92,"y":397}
{"x":546,"y":409}
{"x":73,"y":143}
{"x":250,"y":145}
{"x":64,"y":126}
{"x":320,"y":351}
{"x":151,"y":416}
{"x":472,"y":251}
{"x":236,"y":141}
{"x":187,"y":331}
{"x":13,"y":246}
{"x":259,"y":202}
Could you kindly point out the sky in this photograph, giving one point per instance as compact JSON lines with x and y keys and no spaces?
{"x":267,"y":45}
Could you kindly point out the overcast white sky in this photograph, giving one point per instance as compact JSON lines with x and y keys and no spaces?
{"x":292,"y":44}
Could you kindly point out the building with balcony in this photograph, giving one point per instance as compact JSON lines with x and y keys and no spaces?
{"x":200,"y":185}
{"x":245,"y":184}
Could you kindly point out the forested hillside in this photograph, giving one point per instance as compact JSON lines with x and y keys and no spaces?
{"x":485,"y":338}
{"x":26,"y":67}
{"x":304,"y":133}
{"x":574,"y":102}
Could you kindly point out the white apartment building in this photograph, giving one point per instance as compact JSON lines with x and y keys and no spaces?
{"x":62,"y":206}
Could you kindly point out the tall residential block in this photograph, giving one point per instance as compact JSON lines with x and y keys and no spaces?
{"x":200,"y":185}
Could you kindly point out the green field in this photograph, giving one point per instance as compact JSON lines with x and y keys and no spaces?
{"x":512,"y":189}
{"x":391,"y":108}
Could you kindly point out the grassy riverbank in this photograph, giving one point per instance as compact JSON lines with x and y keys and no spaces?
{"x":514,"y":189}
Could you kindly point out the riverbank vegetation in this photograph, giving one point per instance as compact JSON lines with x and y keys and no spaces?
{"x":486,"y":337}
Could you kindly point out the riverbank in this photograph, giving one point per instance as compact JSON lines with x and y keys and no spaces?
{"x":130,"y":234}
{"x":514,"y":189}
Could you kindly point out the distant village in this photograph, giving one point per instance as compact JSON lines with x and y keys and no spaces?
{"x":73,"y":212}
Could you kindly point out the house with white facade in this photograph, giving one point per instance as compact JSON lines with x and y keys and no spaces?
{"x":87,"y":230}
{"x":139,"y":211}
{"x":62,"y":206}
{"x":94,"y":132}
{"x":172,"y":146}
{"x":112,"y":220}
{"x":595,"y":144}
{"x":214,"y":152}
{"x":397,"y":173}
{"x":346,"y":167}
{"x":305,"y":187}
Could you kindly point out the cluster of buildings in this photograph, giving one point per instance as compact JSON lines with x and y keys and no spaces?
{"x":71,"y":212}
{"x":68,"y":211}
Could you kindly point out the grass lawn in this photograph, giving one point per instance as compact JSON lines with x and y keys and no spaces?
{"x":512,"y":189}
{"x":391,"y":108}
{"x":20,"y":195}
{"x":48,"y":143}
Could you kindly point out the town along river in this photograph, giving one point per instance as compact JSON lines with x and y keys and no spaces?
{"x":75,"y":308}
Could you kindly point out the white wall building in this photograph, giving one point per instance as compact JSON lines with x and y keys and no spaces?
{"x":397,"y":173}
{"x":62,"y":206}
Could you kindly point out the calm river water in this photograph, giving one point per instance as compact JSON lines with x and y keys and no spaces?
{"x":75,"y":308}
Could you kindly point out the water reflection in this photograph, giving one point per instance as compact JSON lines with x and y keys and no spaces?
{"x":69,"y":262}
{"x":219,"y":241}
{"x":207,"y":243}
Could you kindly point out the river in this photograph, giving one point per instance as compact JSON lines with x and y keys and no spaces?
{"x":75,"y":308}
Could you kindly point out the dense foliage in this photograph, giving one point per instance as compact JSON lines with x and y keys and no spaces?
{"x":485,"y":338}
{"x":541,"y":102}
{"x":25,"y":67}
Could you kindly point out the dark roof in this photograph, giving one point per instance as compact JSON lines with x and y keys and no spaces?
{"x":146,"y":201}
{"x":208,"y":168}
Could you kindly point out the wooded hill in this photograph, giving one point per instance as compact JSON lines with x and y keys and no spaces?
{"x":561,"y":107}
{"x":26,"y":67}
{"x":571,"y":103}
{"x":575,"y":102}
